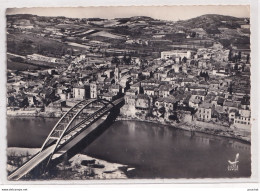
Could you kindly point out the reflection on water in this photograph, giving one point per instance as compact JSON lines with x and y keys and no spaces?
{"x":28,"y":132}
{"x":164,"y":152}
{"x":153,"y":150}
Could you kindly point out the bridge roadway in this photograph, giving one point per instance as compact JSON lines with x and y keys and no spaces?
{"x":80,"y":131}
{"x":31,"y":164}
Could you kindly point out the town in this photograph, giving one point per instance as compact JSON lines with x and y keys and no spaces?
{"x":194,"y":72}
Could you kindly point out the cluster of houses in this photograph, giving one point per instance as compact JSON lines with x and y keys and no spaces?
{"x":164,"y":86}
{"x":196,"y":75}
{"x":218,"y":98}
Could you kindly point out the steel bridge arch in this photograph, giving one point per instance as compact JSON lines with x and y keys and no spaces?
{"x":79,"y":107}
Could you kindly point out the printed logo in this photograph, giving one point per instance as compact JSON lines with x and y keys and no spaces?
{"x":232,"y":165}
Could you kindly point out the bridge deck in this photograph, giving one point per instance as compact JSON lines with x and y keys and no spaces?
{"x":32,"y":163}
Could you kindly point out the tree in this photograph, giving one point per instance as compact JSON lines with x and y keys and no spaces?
{"x":115,"y":60}
{"x":239,"y":56}
{"x":236,"y":66}
{"x":205,"y":75}
{"x":129,"y":59}
{"x":71,"y":51}
{"x":63,"y":38}
{"x":243,"y":66}
{"x":247,"y":58}
{"x":193,"y":34}
{"x":124,"y":59}
{"x":162,"y":111}
{"x":106,"y":54}
{"x":228,"y":66}
{"x":192,"y":62}
{"x":235,"y":58}
{"x":225,"y":42}
{"x":173,"y":117}
{"x":184,"y":59}
{"x":230,"y":89}
{"x":17,"y":59}
{"x":230,"y":55}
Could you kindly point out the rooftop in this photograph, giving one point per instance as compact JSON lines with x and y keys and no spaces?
{"x":205,"y":105}
{"x":142,"y":96}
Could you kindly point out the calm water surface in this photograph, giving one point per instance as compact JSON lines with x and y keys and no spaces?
{"x":153,"y":150}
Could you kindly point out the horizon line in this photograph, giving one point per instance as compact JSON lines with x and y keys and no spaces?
{"x":121,"y":17}
{"x":167,"y":13}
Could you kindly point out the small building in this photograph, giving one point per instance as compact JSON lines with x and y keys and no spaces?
{"x":242,"y":120}
{"x":132,"y":92}
{"x":168,"y":102}
{"x":116,"y":89}
{"x":136,"y":86}
{"x":65,"y":95}
{"x":48,"y":93}
{"x":31,"y":100}
{"x":204,"y":112}
{"x":232,"y":114}
{"x":41,"y":58}
{"x":108,"y":96}
{"x":165,"y":90}
{"x":146,"y":74}
{"x":230,"y":105}
{"x":81,"y":92}
{"x":93,"y":90}
{"x":136,"y":74}
{"x":176,"y":54}
{"x":130,"y":100}
{"x":142,"y":102}
{"x":151,"y":91}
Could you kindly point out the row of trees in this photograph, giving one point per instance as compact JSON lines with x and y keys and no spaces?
{"x":125,"y":60}
{"x":236,"y":57}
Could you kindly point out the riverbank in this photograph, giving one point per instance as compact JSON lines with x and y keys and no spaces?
{"x":34,"y":113}
{"x":217,"y":130}
{"x":79,"y":167}
{"x":222,"y":131}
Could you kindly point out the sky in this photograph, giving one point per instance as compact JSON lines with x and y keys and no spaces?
{"x":173,"y":13}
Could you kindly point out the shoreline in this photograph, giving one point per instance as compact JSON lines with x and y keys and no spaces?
{"x":182,"y":125}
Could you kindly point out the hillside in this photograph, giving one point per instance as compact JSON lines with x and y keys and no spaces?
{"x":211,"y":21}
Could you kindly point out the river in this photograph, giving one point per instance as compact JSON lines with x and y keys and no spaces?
{"x":155,"y":151}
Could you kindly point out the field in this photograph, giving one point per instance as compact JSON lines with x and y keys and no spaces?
{"x":21,"y":66}
{"x":107,"y":35}
{"x":15,"y":65}
{"x":25,"y":44}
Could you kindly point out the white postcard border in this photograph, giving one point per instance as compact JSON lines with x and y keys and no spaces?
{"x":254,"y":7}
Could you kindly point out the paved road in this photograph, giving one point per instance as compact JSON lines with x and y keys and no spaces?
{"x":16,"y":55}
{"x":32,"y":163}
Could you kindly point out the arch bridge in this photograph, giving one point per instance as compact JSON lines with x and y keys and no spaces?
{"x":76,"y":120}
